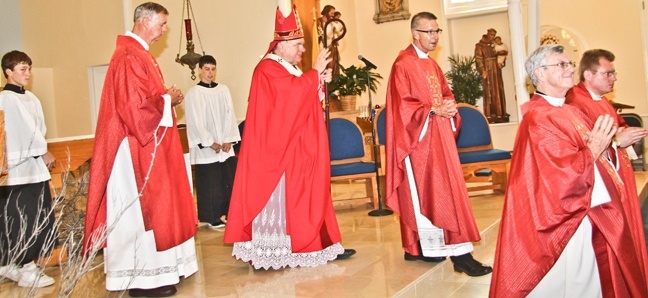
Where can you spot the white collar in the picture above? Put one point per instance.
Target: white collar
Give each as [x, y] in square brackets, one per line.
[289, 67]
[139, 39]
[420, 53]
[554, 101]
[594, 96]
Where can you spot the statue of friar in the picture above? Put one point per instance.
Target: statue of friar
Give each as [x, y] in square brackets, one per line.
[492, 83]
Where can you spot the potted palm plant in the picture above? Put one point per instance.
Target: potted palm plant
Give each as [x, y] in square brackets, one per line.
[351, 82]
[464, 79]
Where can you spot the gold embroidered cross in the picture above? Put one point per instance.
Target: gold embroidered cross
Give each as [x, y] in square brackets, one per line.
[435, 87]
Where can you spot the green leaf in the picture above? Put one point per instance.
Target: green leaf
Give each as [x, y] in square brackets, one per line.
[353, 81]
[464, 79]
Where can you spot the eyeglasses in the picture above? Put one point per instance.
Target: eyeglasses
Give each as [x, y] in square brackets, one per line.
[430, 32]
[562, 65]
[609, 74]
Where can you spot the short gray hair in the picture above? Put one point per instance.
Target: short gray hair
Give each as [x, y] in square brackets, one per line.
[149, 10]
[539, 58]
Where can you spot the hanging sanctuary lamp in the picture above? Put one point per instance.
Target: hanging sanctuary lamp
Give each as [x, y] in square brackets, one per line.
[191, 57]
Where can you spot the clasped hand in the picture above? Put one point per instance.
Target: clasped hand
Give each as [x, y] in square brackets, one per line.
[627, 136]
[447, 109]
[599, 138]
[225, 147]
[176, 95]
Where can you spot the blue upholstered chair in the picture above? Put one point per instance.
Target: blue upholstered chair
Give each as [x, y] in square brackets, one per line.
[479, 160]
[381, 136]
[634, 120]
[350, 159]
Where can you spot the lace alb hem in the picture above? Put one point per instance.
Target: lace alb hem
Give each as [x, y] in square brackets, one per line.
[277, 257]
[152, 271]
[270, 246]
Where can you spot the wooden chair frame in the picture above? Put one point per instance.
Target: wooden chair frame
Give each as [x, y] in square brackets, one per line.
[499, 168]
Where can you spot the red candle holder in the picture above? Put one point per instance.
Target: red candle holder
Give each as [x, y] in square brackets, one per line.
[188, 29]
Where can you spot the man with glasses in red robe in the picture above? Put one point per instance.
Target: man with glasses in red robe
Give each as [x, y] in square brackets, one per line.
[563, 231]
[597, 77]
[425, 183]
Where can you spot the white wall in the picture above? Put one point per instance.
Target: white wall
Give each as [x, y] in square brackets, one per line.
[381, 43]
[42, 85]
[237, 33]
[615, 26]
[11, 33]
[65, 37]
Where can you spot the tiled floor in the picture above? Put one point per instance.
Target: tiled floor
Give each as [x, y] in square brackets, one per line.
[377, 270]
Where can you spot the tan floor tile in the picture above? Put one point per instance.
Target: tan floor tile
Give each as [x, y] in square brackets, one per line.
[377, 270]
[471, 291]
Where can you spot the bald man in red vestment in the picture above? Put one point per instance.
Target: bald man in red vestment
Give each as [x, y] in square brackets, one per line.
[563, 232]
[425, 183]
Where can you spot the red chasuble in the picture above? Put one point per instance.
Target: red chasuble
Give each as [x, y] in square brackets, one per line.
[548, 194]
[415, 85]
[580, 97]
[284, 132]
[132, 107]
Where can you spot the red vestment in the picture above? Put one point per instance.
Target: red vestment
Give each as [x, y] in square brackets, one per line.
[132, 107]
[284, 132]
[581, 98]
[548, 194]
[415, 85]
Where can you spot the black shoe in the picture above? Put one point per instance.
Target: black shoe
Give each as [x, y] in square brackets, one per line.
[164, 291]
[216, 225]
[472, 267]
[346, 254]
[409, 257]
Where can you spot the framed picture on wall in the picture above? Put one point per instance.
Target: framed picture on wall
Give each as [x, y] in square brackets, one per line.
[462, 8]
[391, 10]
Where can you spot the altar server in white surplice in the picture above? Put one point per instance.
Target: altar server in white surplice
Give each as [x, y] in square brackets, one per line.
[212, 130]
[26, 217]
